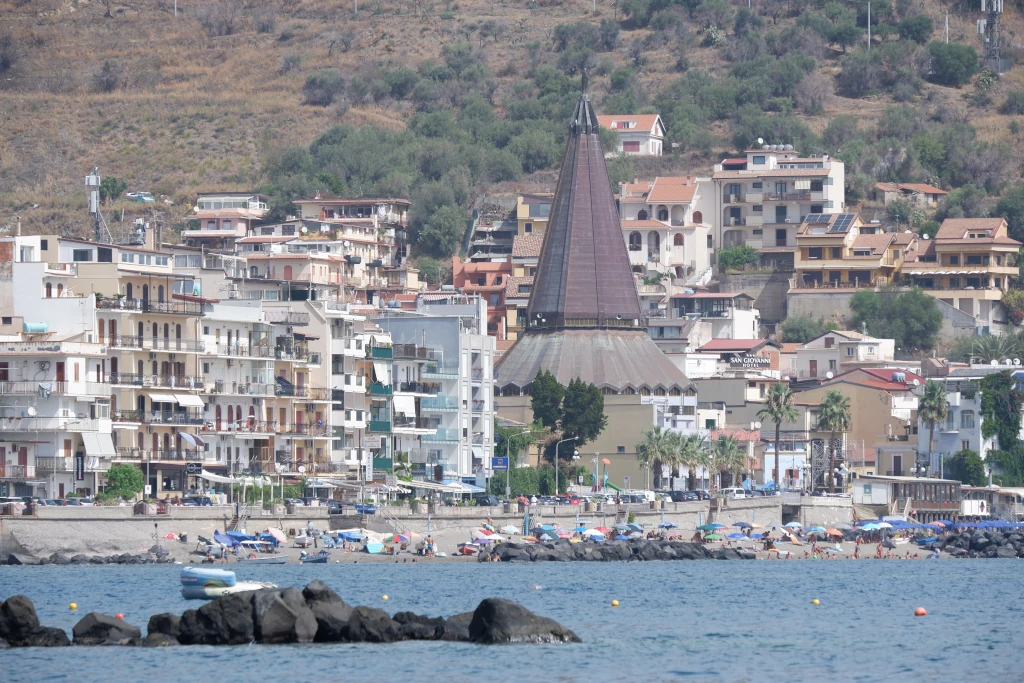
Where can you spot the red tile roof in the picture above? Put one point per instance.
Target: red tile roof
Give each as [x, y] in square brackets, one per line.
[673, 189]
[512, 286]
[526, 246]
[647, 223]
[876, 243]
[957, 228]
[644, 122]
[735, 344]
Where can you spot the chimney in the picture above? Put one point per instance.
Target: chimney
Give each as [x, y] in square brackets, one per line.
[18, 230]
[636, 179]
[150, 238]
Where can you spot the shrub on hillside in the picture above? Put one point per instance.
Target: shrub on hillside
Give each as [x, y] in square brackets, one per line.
[1014, 103]
[918, 29]
[322, 87]
[9, 51]
[220, 18]
[738, 258]
[952, 64]
[110, 76]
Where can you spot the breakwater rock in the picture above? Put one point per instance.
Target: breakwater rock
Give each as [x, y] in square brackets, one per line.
[612, 551]
[154, 555]
[978, 543]
[315, 614]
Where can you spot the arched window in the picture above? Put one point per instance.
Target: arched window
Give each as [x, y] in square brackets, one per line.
[141, 328]
[698, 217]
[287, 272]
[167, 331]
[49, 290]
[113, 331]
[662, 213]
[145, 292]
[653, 241]
[60, 289]
[634, 241]
[231, 415]
[678, 239]
[216, 418]
[642, 216]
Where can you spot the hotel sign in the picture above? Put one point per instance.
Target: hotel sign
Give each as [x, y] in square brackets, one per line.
[750, 362]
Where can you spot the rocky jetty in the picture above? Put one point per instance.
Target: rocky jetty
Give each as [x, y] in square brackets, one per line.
[154, 555]
[315, 614]
[979, 543]
[612, 551]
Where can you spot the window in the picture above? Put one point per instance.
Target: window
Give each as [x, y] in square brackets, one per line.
[757, 186]
[80, 255]
[735, 188]
[211, 225]
[44, 244]
[634, 241]
[662, 214]
[832, 364]
[105, 255]
[966, 419]
[677, 240]
[620, 449]
[527, 227]
[780, 188]
[533, 272]
[758, 159]
[817, 208]
[837, 252]
[6, 320]
[816, 186]
[266, 231]
[965, 445]
[849, 351]
[867, 489]
[954, 282]
[758, 231]
[814, 253]
[494, 299]
[287, 229]
[631, 146]
[524, 289]
[757, 208]
[161, 260]
[5, 375]
[949, 421]
[709, 424]
[954, 260]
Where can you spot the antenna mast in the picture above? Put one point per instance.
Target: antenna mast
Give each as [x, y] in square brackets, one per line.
[989, 28]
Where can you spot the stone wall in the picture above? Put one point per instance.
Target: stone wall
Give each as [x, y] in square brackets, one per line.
[769, 291]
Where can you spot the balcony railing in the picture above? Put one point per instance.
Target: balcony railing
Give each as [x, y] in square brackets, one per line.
[381, 352]
[127, 415]
[478, 405]
[8, 471]
[308, 429]
[124, 341]
[441, 370]
[414, 352]
[440, 403]
[62, 388]
[312, 392]
[443, 435]
[160, 455]
[245, 426]
[164, 381]
[240, 388]
[478, 373]
[175, 417]
[415, 423]
[378, 389]
[49, 463]
[431, 388]
[172, 344]
[48, 424]
[379, 426]
[150, 306]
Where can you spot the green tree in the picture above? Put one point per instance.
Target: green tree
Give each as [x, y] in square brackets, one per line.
[834, 417]
[801, 329]
[952, 63]
[693, 453]
[727, 455]
[513, 440]
[1000, 409]
[965, 467]
[124, 480]
[322, 87]
[738, 258]
[1014, 104]
[111, 188]
[932, 408]
[443, 231]
[910, 317]
[899, 210]
[657, 448]
[778, 408]
[582, 412]
[546, 399]
[1011, 207]
[918, 29]
[432, 271]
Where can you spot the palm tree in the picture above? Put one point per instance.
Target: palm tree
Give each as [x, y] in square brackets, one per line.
[932, 407]
[692, 453]
[654, 450]
[778, 408]
[727, 454]
[834, 416]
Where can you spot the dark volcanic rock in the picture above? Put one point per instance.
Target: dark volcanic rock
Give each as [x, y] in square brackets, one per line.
[3, 644]
[503, 621]
[46, 636]
[99, 629]
[165, 624]
[160, 640]
[456, 627]
[281, 616]
[228, 620]
[1006, 552]
[19, 626]
[371, 625]
[329, 610]
[418, 627]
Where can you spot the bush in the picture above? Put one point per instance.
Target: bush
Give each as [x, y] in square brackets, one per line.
[110, 76]
[802, 329]
[9, 51]
[290, 61]
[738, 258]
[952, 64]
[918, 29]
[321, 87]
[1014, 103]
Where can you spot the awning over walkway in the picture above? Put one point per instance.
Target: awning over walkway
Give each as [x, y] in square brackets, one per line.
[189, 401]
[434, 486]
[157, 397]
[98, 445]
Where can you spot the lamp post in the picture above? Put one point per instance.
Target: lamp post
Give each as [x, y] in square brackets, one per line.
[508, 467]
[647, 471]
[593, 484]
[575, 461]
[841, 472]
[920, 469]
[572, 438]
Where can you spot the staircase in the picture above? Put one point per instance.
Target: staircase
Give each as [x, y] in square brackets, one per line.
[385, 514]
[238, 522]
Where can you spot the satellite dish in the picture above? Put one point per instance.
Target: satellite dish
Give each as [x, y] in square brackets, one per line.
[1007, 361]
[302, 469]
[304, 229]
[995, 362]
[346, 243]
[756, 425]
[1016, 361]
[829, 375]
[924, 236]
[760, 141]
[916, 382]
[31, 411]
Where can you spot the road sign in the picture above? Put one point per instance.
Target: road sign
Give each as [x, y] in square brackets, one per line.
[149, 489]
[193, 468]
[499, 464]
[625, 480]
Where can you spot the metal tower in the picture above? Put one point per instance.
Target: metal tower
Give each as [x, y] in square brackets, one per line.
[989, 28]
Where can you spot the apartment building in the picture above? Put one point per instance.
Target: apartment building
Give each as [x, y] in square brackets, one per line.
[532, 213]
[525, 257]
[759, 199]
[489, 280]
[920, 195]
[838, 352]
[837, 251]
[219, 219]
[691, 319]
[639, 134]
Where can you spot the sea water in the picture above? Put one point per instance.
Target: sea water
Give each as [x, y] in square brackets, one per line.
[704, 620]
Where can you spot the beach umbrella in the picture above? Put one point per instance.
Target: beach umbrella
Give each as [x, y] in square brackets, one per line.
[603, 530]
[844, 527]
[717, 525]
[620, 537]
[834, 532]
[742, 525]
[870, 527]
[580, 529]
[510, 529]
[794, 525]
[755, 525]
[562, 534]
[815, 529]
[757, 535]
[636, 534]
[706, 527]
[884, 525]
[667, 525]
[712, 537]
[621, 527]
[396, 538]
[735, 535]
[633, 526]
[593, 533]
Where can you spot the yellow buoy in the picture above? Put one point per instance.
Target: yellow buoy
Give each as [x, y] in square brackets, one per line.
[73, 606]
[815, 601]
[615, 603]
[383, 597]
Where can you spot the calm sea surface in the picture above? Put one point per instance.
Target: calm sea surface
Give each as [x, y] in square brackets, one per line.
[728, 621]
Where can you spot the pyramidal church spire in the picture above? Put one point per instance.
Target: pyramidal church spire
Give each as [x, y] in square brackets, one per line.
[584, 318]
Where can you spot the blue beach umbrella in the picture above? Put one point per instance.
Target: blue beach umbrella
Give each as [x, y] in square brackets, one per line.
[736, 536]
[667, 525]
[742, 525]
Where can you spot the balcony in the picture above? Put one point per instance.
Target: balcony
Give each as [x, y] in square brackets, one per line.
[312, 392]
[442, 435]
[440, 404]
[61, 388]
[379, 426]
[414, 352]
[175, 417]
[308, 429]
[160, 455]
[245, 426]
[162, 381]
[58, 463]
[801, 196]
[478, 406]
[149, 306]
[440, 371]
[240, 389]
[123, 341]
[135, 416]
[381, 352]
[48, 424]
[427, 388]
[415, 424]
[172, 344]
[240, 350]
[477, 374]
[8, 471]
[378, 389]
[52, 347]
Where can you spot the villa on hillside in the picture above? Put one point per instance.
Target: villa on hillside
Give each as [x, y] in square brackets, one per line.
[639, 134]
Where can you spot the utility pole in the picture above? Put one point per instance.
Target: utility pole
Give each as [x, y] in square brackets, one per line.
[175, 9]
[947, 27]
[869, 25]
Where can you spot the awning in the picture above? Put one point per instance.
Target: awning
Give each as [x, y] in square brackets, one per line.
[478, 452]
[161, 398]
[217, 478]
[187, 438]
[189, 400]
[99, 445]
[380, 369]
[199, 440]
[404, 404]
[434, 486]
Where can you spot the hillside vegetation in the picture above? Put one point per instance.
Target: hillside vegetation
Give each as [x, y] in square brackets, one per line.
[440, 101]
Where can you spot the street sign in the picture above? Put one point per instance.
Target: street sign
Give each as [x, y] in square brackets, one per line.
[193, 468]
[499, 464]
[149, 489]
[625, 481]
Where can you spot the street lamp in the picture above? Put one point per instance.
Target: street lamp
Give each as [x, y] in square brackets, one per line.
[508, 465]
[572, 438]
[575, 461]
[593, 484]
[647, 470]
[842, 472]
[920, 469]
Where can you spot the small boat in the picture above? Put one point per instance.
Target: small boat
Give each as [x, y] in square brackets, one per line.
[469, 548]
[264, 559]
[260, 552]
[321, 557]
[199, 583]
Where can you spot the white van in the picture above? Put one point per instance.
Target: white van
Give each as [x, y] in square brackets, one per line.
[733, 492]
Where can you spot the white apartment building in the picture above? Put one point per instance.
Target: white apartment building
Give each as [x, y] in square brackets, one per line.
[760, 199]
[639, 134]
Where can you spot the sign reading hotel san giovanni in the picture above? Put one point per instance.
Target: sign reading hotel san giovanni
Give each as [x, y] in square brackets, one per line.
[750, 362]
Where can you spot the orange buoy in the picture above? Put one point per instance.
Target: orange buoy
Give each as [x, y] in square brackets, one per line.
[119, 615]
[920, 612]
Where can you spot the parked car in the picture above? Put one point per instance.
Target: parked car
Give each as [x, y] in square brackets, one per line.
[731, 492]
[486, 500]
[201, 501]
[364, 509]
[78, 501]
[142, 197]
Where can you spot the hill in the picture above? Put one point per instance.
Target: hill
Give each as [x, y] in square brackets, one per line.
[440, 101]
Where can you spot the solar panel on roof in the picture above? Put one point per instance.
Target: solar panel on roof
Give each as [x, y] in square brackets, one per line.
[843, 222]
[816, 218]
